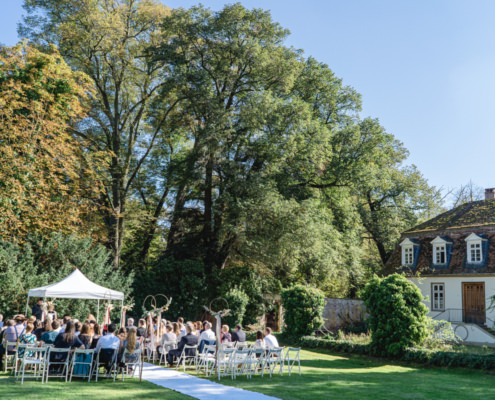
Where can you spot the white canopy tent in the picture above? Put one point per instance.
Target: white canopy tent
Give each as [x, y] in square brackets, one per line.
[77, 286]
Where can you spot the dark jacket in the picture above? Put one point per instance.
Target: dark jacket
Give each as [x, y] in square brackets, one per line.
[190, 340]
[238, 336]
[37, 311]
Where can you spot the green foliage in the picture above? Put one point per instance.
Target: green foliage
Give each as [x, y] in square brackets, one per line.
[183, 281]
[238, 300]
[303, 307]
[41, 261]
[254, 283]
[397, 315]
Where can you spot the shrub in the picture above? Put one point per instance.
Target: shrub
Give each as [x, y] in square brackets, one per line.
[303, 307]
[183, 281]
[238, 301]
[42, 261]
[397, 315]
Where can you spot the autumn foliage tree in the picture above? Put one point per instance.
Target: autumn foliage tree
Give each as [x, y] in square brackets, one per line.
[45, 180]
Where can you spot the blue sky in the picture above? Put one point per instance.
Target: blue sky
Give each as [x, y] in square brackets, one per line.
[425, 68]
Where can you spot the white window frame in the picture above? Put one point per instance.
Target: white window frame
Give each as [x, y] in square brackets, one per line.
[407, 258]
[476, 242]
[439, 246]
[437, 296]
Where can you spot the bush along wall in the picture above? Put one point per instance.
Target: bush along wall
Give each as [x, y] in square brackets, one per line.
[416, 355]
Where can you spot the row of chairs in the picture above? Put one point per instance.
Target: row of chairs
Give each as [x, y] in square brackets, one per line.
[241, 359]
[46, 361]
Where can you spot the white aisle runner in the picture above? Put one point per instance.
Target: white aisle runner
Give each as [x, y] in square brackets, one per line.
[198, 388]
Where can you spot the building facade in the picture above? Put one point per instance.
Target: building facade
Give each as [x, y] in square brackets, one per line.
[451, 258]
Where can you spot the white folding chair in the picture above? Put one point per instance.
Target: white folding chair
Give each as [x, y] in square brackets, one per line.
[186, 356]
[275, 360]
[130, 362]
[225, 362]
[58, 360]
[34, 357]
[241, 361]
[206, 358]
[292, 358]
[256, 362]
[82, 364]
[112, 361]
[164, 349]
[242, 345]
[9, 347]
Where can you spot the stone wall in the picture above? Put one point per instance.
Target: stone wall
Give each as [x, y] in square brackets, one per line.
[340, 312]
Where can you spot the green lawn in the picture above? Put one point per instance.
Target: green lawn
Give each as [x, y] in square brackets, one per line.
[106, 389]
[328, 376]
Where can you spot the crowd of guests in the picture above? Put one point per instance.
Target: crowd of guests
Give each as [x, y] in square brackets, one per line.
[69, 333]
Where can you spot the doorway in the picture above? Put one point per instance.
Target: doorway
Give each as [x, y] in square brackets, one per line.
[473, 302]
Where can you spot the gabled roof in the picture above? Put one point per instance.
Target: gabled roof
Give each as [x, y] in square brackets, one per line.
[469, 215]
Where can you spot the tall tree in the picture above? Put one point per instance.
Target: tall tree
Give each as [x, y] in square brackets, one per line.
[46, 179]
[108, 40]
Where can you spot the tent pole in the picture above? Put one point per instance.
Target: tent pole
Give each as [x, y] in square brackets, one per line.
[98, 312]
[27, 305]
[122, 313]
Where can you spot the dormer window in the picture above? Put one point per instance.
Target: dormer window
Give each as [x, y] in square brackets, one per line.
[474, 249]
[439, 251]
[408, 253]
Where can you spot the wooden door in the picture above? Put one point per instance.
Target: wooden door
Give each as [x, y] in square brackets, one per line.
[473, 302]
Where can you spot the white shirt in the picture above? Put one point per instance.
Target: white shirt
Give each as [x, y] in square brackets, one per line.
[109, 341]
[271, 341]
[207, 335]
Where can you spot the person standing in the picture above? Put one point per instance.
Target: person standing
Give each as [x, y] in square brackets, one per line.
[37, 309]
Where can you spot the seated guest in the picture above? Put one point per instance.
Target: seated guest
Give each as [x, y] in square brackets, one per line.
[59, 325]
[260, 341]
[78, 326]
[28, 337]
[68, 339]
[108, 344]
[226, 336]
[141, 330]
[176, 330]
[96, 335]
[85, 335]
[180, 321]
[8, 324]
[38, 329]
[122, 334]
[238, 335]
[168, 336]
[1, 321]
[270, 340]
[188, 339]
[64, 323]
[199, 327]
[51, 332]
[207, 334]
[91, 317]
[131, 344]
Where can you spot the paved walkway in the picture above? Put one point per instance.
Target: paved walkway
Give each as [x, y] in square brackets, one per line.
[198, 388]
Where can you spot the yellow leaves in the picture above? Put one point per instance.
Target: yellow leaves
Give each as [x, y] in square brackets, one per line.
[44, 179]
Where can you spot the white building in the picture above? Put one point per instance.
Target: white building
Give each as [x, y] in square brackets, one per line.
[451, 258]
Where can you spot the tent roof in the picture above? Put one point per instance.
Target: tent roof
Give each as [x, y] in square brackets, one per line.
[76, 286]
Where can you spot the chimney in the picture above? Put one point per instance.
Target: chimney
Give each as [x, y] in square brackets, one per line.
[490, 194]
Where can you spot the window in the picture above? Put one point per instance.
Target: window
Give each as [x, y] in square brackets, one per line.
[408, 256]
[474, 249]
[408, 252]
[440, 254]
[440, 251]
[437, 297]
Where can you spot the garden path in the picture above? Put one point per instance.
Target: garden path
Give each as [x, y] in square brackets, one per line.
[198, 388]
